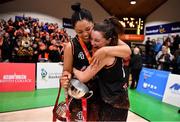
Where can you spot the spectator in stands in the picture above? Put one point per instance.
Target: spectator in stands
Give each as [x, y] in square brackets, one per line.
[43, 55]
[148, 45]
[164, 59]
[2, 31]
[45, 27]
[35, 47]
[157, 47]
[1, 42]
[149, 53]
[6, 48]
[167, 43]
[136, 66]
[176, 42]
[54, 53]
[176, 61]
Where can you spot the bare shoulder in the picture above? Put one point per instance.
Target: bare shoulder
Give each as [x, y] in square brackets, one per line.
[120, 42]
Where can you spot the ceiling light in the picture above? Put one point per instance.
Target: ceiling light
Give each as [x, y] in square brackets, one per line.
[132, 2]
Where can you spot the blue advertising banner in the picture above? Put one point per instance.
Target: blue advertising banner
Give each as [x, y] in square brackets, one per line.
[153, 82]
[163, 29]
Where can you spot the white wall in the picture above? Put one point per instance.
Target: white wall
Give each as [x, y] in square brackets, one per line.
[167, 13]
[49, 10]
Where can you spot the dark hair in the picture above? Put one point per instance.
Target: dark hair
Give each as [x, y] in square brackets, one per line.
[80, 14]
[110, 28]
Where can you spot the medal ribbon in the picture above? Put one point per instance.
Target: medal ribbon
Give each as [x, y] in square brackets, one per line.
[67, 110]
[89, 58]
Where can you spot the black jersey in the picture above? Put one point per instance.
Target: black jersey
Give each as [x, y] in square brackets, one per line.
[79, 61]
[79, 57]
[111, 84]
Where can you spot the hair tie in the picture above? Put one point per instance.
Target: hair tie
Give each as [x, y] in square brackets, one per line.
[80, 16]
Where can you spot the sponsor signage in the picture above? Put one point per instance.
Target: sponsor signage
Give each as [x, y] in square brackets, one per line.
[48, 75]
[17, 77]
[163, 29]
[133, 37]
[172, 91]
[152, 82]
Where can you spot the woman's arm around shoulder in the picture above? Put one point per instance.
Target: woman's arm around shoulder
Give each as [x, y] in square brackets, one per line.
[121, 50]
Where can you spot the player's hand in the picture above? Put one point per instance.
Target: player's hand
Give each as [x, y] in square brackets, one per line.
[65, 79]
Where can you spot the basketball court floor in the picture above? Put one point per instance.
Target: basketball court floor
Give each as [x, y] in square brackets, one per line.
[45, 115]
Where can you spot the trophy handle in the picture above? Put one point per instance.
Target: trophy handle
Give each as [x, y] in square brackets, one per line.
[91, 94]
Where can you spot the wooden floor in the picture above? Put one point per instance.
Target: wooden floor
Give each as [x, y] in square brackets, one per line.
[45, 115]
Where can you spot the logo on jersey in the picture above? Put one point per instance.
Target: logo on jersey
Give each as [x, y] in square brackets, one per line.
[81, 55]
[79, 116]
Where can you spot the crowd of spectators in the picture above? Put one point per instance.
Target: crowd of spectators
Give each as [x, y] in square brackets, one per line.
[163, 55]
[28, 40]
